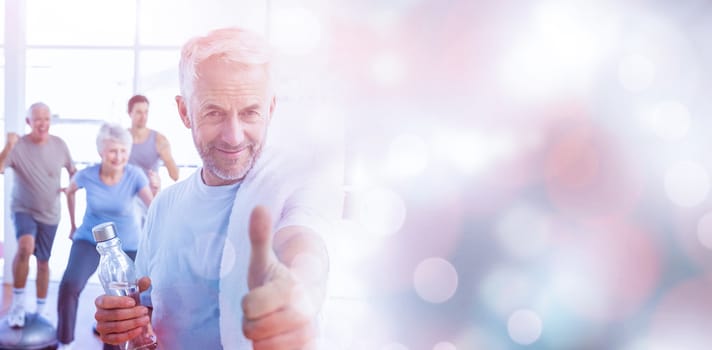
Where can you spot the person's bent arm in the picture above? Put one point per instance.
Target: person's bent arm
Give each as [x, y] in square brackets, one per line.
[70, 193]
[304, 252]
[71, 170]
[9, 145]
[146, 195]
[119, 319]
[164, 151]
[154, 182]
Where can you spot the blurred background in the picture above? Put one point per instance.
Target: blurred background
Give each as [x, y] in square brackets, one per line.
[518, 174]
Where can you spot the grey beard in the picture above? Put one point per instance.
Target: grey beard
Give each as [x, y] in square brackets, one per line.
[225, 176]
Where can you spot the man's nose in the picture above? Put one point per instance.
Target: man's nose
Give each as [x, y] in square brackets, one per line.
[233, 131]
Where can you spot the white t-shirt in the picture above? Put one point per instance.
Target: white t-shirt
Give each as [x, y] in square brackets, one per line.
[185, 233]
[199, 269]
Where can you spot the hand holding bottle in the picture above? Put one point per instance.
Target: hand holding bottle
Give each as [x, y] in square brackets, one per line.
[118, 277]
[120, 318]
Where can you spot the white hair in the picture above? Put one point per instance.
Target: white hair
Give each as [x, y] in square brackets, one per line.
[113, 132]
[34, 106]
[231, 44]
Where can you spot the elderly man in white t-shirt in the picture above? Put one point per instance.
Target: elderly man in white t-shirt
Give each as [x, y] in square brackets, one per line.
[219, 274]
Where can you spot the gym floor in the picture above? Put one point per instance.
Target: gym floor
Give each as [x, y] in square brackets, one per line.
[84, 336]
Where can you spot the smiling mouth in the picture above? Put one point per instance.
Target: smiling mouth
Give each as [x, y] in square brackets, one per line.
[231, 154]
[232, 151]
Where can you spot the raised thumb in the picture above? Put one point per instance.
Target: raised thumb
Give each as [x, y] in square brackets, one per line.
[261, 254]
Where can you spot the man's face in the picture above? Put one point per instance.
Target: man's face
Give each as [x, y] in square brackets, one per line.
[139, 115]
[39, 121]
[114, 154]
[228, 113]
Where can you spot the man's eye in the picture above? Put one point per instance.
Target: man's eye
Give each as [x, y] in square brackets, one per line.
[251, 115]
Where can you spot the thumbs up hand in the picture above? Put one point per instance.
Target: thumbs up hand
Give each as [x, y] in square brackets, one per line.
[282, 301]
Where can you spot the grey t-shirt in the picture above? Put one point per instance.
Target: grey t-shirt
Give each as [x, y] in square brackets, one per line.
[38, 168]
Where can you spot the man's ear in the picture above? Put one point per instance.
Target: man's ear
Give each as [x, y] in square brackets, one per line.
[183, 111]
[272, 106]
[27, 120]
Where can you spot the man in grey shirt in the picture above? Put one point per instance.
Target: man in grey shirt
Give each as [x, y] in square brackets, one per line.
[37, 160]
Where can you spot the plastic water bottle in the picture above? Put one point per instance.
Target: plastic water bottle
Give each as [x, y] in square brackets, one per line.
[118, 277]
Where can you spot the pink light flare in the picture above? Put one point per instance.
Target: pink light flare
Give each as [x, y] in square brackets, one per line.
[683, 318]
[616, 267]
[586, 173]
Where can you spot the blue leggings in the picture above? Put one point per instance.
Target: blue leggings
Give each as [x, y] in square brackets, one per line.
[83, 261]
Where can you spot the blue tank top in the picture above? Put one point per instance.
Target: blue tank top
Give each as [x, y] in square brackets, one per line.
[145, 155]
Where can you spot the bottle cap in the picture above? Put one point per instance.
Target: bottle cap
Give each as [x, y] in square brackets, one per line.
[104, 232]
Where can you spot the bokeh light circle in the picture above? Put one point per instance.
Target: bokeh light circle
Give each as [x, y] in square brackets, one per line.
[505, 289]
[381, 211]
[394, 346]
[636, 72]
[687, 183]
[683, 316]
[444, 346]
[407, 156]
[524, 326]
[388, 68]
[704, 230]
[435, 280]
[669, 120]
[524, 231]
